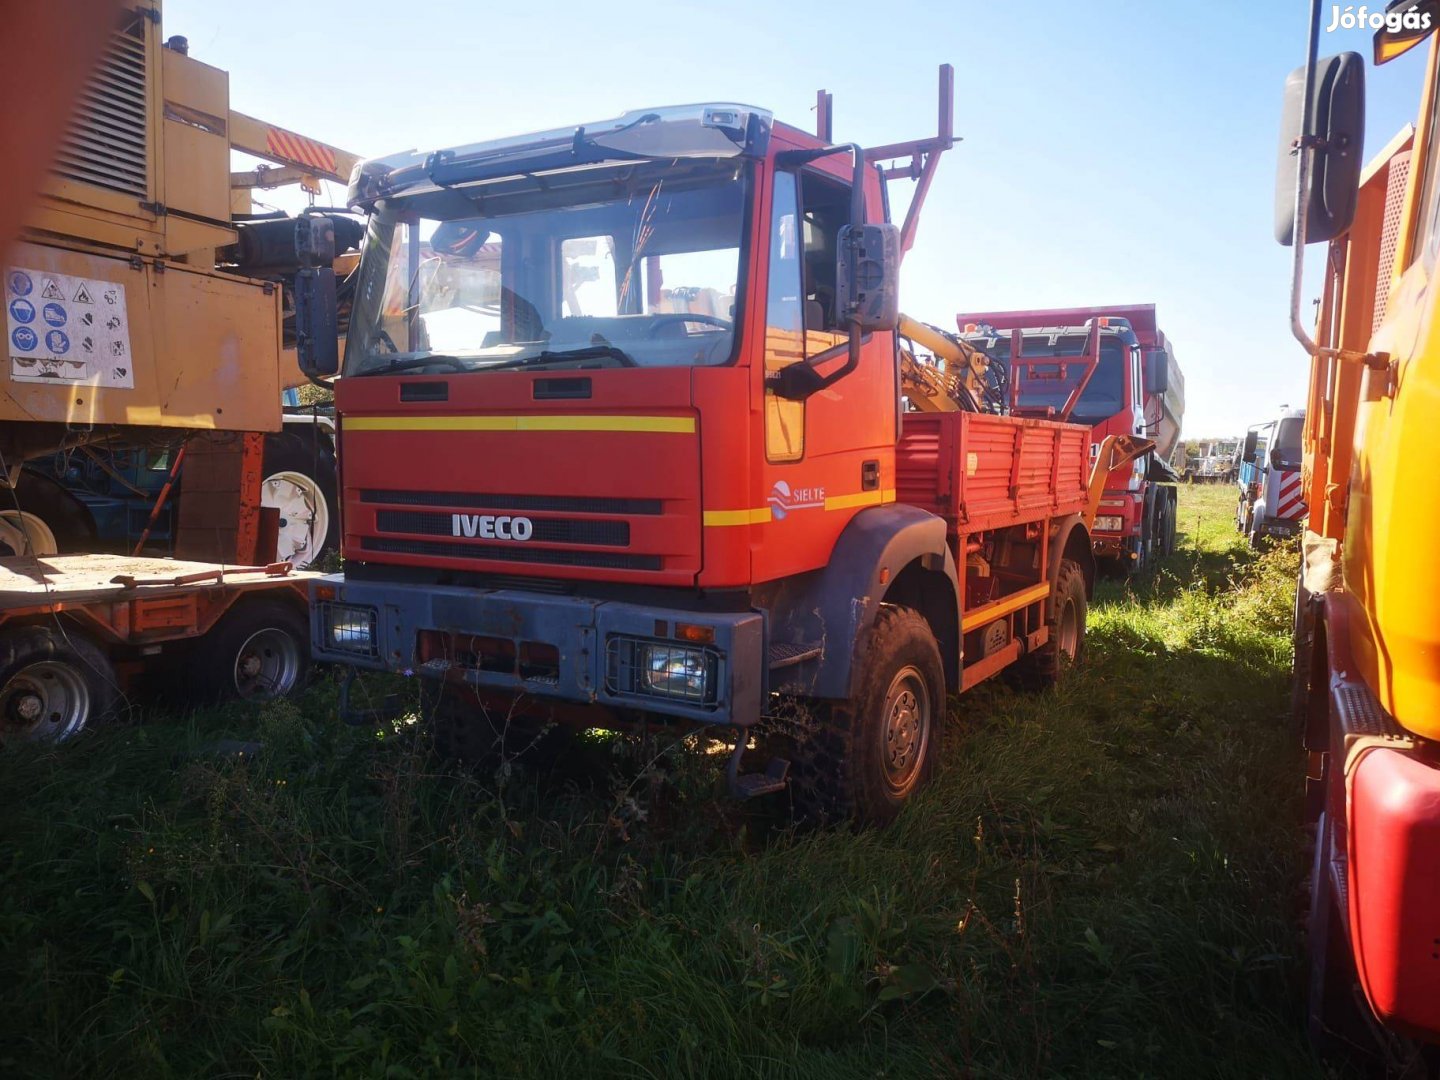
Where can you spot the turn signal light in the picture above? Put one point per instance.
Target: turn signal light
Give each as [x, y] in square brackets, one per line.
[701, 635]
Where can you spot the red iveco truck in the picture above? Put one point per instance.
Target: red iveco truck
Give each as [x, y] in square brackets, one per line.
[622, 442]
[1113, 369]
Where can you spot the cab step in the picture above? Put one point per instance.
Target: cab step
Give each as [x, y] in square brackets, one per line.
[785, 654]
[776, 777]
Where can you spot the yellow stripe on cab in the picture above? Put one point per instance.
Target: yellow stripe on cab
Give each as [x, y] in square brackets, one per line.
[668, 425]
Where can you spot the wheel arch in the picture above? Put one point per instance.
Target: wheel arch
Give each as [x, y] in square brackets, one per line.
[884, 554]
[1071, 540]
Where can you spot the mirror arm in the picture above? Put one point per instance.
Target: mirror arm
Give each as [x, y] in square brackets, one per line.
[1302, 185]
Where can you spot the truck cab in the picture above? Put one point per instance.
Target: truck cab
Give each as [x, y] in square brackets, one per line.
[1272, 497]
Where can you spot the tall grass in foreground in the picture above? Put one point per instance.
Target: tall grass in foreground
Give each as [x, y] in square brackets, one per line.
[1101, 882]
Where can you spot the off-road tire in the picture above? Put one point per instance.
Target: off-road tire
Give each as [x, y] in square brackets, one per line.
[68, 518]
[1046, 666]
[272, 635]
[310, 457]
[57, 652]
[838, 768]
[466, 731]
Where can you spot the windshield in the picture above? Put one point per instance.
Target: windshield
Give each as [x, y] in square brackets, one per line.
[1049, 385]
[1287, 453]
[613, 265]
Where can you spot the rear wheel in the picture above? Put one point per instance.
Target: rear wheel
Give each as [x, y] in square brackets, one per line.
[1047, 666]
[67, 521]
[52, 684]
[300, 484]
[864, 759]
[259, 650]
[23, 533]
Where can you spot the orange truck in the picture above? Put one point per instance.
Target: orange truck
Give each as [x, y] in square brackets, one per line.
[1367, 658]
[623, 441]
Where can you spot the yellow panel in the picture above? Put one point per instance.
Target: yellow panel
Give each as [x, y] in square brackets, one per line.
[204, 350]
[196, 150]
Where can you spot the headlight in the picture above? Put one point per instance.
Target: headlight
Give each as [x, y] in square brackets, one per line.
[661, 669]
[1109, 523]
[349, 628]
[675, 672]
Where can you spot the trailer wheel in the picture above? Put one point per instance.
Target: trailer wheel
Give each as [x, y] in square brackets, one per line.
[52, 684]
[1047, 665]
[864, 759]
[259, 650]
[300, 483]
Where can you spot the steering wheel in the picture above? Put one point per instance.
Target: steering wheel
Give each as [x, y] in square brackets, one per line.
[670, 318]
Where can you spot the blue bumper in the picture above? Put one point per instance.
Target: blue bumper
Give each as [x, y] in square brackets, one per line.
[594, 643]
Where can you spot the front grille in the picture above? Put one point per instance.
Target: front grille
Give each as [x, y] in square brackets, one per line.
[555, 504]
[106, 142]
[497, 553]
[546, 530]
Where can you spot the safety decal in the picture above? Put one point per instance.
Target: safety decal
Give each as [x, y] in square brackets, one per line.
[86, 330]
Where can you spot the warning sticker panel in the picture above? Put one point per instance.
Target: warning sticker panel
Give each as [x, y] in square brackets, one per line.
[67, 329]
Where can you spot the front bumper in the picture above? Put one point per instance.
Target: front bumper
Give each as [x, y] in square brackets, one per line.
[1286, 529]
[565, 648]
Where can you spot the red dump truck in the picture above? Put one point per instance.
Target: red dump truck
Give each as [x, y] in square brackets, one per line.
[1113, 369]
[655, 469]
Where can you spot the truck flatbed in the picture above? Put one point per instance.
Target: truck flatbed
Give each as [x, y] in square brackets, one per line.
[27, 582]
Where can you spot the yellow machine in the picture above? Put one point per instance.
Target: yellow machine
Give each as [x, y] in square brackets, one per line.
[931, 388]
[135, 298]
[1367, 670]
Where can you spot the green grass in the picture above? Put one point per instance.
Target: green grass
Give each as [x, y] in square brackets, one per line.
[1101, 882]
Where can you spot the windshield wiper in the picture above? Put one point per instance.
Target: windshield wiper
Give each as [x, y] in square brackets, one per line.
[588, 352]
[409, 363]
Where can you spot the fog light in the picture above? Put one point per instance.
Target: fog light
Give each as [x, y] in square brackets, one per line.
[674, 672]
[349, 628]
[663, 669]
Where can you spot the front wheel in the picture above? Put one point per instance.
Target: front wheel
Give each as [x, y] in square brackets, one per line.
[865, 758]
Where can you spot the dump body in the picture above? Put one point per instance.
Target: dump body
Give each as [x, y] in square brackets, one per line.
[1113, 369]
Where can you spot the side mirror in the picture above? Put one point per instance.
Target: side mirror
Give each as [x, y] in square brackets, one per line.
[867, 277]
[1157, 371]
[317, 334]
[1336, 131]
[1247, 452]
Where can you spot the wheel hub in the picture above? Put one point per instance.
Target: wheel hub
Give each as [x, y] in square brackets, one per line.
[902, 732]
[45, 701]
[906, 729]
[303, 512]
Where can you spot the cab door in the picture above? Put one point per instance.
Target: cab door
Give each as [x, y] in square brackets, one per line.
[831, 455]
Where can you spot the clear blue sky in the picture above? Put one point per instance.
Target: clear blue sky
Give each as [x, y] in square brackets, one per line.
[1114, 151]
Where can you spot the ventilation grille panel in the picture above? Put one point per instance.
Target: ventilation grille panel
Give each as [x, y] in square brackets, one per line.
[1390, 234]
[106, 143]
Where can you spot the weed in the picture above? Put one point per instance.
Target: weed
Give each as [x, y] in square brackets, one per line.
[1100, 882]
